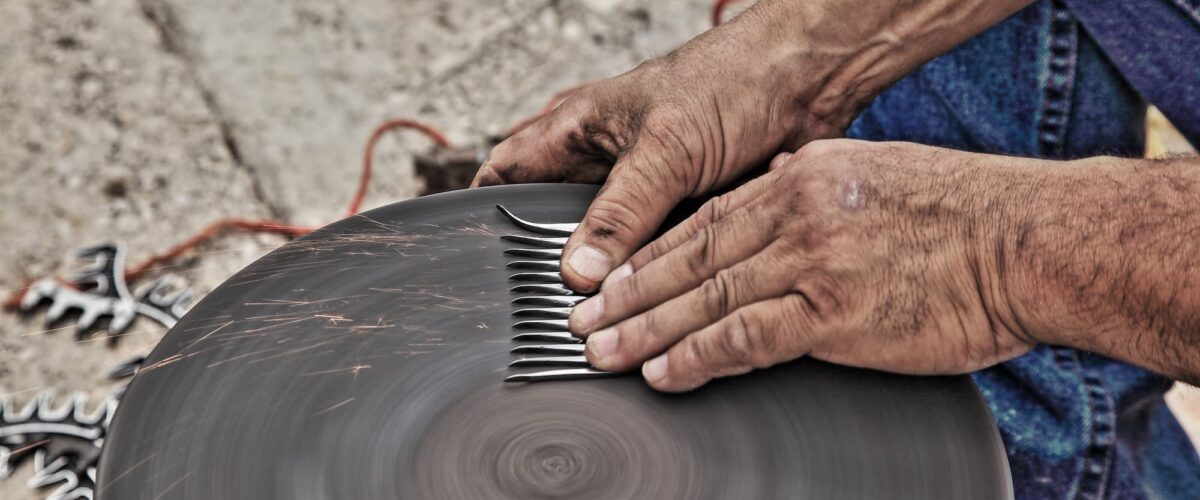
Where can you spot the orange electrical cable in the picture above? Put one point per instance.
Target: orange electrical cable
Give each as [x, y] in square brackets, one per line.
[364, 180]
[718, 9]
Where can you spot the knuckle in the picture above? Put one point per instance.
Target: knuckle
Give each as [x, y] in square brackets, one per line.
[719, 295]
[825, 147]
[746, 342]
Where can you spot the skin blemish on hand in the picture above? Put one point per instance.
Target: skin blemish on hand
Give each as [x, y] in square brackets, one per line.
[603, 232]
[851, 194]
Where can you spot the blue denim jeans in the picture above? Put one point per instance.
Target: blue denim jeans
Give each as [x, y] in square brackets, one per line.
[1044, 83]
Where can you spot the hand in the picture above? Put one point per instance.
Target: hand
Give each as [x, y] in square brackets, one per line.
[856, 253]
[674, 127]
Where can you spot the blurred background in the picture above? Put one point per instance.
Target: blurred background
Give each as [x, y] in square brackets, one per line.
[141, 122]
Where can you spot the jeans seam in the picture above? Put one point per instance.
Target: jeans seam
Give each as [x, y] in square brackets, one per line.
[1056, 98]
[1100, 427]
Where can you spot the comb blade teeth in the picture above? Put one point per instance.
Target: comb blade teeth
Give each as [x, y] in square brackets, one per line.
[553, 277]
[549, 301]
[553, 325]
[559, 337]
[561, 361]
[537, 274]
[535, 253]
[564, 349]
[535, 241]
[545, 312]
[535, 265]
[564, 374]
[563, 229]
[545, 289]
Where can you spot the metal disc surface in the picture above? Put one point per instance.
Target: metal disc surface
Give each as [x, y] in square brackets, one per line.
[367, 360]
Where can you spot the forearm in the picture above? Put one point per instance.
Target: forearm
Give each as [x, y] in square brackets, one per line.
[1103, 255]
[834, 56]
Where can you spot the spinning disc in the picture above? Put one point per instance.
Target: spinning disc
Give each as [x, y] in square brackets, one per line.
[367, 361]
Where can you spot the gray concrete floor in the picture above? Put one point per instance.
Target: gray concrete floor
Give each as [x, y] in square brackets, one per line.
[140, 121]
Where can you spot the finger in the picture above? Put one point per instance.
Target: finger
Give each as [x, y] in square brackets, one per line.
[731, 240]
[551, 149]
[634, 201]
[713, 210]
[756, 336]
[630, 342]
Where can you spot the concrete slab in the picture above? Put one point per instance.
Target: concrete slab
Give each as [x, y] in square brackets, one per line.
[302, 84]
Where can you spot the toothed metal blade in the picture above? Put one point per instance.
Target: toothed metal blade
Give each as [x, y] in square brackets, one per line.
[546, 312]
[535, 241]
[564, 229]
[546, 289]
[553, 325]
[549, 301]
[564, 374]
[535, 265]
[535, 253]
[565, 349]
[551, 361]
[537, 277]
[561, 337]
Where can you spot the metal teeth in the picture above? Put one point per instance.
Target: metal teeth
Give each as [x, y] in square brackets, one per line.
[548, 301]
[560, 337]
[544, 312]
[552, 302]
[564, 349]
[537, 277]
[551, 361]
[535, 265]
[547, 289]
[535, 253]
[535, 241]
[567, 374]
[549, 229]
[549, 325]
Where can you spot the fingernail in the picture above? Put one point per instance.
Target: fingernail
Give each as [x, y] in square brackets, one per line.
[655, 369]
[603, 343]
[587, 313]
[590, 263]
[617, 275]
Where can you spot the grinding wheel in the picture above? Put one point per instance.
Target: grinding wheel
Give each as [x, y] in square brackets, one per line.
[367, 360]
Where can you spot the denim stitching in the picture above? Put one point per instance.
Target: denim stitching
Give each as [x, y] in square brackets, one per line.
[1056, 102]
[1100, 427]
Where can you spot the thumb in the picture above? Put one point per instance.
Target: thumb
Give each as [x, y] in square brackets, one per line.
[640, 192]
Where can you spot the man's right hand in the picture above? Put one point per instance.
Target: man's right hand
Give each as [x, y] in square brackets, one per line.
[781, 74]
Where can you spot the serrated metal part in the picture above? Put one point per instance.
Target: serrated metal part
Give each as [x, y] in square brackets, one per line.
[535, 265]
[544, 312]
[99, 291]
[551, 361]
[543, 315]
[564, 374]
[63, 439]
[565, 349]
[545, 289]
[535, 253]
[564, 229]
[549, 300]
[535, 241]
[562, 337]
